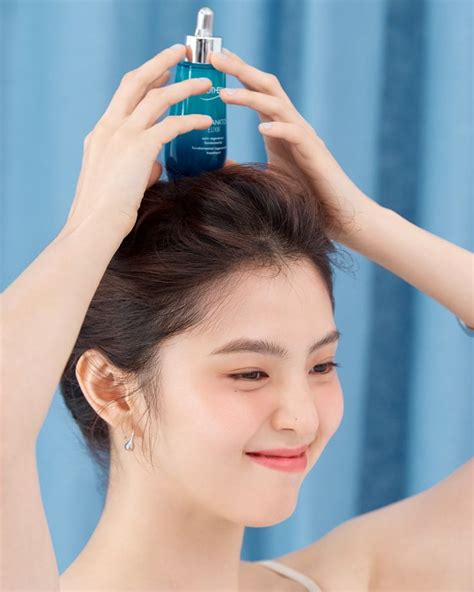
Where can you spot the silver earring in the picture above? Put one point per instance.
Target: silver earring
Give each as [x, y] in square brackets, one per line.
[129, 445]
[468, 330]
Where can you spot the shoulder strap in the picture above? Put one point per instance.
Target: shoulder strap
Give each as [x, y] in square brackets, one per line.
[291, 573]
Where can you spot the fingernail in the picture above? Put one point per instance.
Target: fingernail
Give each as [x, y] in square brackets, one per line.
[221, 55]
[177, 46]
[267, 125]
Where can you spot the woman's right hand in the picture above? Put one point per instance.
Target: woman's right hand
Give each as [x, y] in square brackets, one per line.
[119, 159]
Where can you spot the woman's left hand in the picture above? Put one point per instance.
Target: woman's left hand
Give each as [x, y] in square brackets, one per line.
[291, 143]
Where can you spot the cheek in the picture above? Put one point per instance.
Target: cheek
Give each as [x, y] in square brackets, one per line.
[241, 413]
[211, 415]
[230, 416]
[215, 418]
[331, 407]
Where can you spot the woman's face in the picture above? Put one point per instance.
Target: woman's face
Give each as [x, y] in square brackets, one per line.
[210, 419]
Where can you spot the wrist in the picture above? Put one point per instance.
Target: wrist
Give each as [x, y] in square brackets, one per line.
[112, 226]
[362, 222]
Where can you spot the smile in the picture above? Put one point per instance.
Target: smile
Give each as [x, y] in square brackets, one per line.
[289, 464]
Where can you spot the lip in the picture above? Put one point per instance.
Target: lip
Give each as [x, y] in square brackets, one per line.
[289, 464]
[281, 452]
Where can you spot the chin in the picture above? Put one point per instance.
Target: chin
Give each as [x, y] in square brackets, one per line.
[267, 509]
[270, 519]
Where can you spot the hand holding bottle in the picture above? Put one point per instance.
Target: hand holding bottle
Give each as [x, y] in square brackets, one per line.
[119, 159]
[292, 144]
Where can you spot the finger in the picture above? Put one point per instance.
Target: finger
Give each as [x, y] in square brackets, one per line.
[134, 84]
[295, 134]
[273, 107]
[290, 131]
[161, 81]
[155, 174]
[158, 100]
[251, 77]
[231, 53]
[229, 162]
[174, 125]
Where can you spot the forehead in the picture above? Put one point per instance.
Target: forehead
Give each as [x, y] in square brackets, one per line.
[257, 302]
[298, 284]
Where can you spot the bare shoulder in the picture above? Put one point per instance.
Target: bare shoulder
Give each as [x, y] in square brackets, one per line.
[341, 559]
[425, 541]
[421, 542]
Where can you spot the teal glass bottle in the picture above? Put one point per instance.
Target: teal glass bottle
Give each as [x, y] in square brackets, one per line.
[202, 150]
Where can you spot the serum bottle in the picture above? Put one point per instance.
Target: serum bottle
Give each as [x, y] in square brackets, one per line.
[204, 150]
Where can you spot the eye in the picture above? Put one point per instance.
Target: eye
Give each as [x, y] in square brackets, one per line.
[327, 368]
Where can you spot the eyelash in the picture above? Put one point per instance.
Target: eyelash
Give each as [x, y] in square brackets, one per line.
[239, 376]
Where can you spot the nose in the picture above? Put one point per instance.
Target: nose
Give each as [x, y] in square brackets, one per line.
[297, 409]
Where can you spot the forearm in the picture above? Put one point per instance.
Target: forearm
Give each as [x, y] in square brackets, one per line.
[432, 264]
[42, 313]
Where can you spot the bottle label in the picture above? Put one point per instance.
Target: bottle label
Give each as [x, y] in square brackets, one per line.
[199, 149]
[213, 140]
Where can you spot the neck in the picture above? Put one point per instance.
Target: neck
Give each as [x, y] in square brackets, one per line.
[154, 537]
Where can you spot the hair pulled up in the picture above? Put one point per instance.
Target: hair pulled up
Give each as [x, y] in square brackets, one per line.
[169, 272]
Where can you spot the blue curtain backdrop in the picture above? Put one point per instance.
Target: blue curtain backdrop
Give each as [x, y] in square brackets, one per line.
[388, 86]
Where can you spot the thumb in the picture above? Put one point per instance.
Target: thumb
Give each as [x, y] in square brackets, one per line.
[229, 162]
[155, 174]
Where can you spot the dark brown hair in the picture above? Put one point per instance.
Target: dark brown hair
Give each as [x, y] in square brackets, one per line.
[171, 271]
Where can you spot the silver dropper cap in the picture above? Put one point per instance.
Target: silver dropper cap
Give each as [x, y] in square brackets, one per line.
[202, 42]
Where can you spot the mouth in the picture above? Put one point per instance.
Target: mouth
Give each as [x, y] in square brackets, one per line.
[288, 464]
[275, 456]
[280, 452]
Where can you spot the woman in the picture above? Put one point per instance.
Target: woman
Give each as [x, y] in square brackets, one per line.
[191, 325]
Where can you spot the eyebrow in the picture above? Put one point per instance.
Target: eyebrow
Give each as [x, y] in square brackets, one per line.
[262, 346]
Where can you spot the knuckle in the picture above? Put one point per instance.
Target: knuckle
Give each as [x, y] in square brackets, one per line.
[125, 133]
[87, 140]
[102, 126]
[180, 122]
[154, 93]
[127, 77]
[132, 77]
[167, 99]
[100, 131]
[272, 80]
[279, 104]
[320, 140]
[176, 121]
[138, 76]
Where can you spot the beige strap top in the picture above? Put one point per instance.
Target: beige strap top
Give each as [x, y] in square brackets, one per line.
[292, 574]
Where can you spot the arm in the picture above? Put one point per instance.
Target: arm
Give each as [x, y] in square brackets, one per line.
[426, 541]
[44, 308]
[432, 264]
[435, 266]
[42, 313]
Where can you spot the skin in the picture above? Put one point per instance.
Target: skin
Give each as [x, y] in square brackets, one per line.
[192, 508]
[119, 162]
[220, 503]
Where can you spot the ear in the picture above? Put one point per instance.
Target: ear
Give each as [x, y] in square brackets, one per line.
[101, 384]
